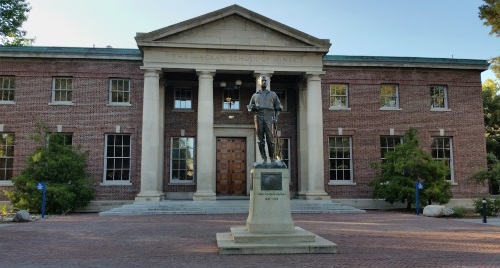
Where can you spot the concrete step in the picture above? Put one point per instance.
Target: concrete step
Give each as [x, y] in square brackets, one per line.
[223, 207]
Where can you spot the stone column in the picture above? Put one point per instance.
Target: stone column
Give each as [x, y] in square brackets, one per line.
[315, 160]
[302, 140]
[151, 156]
[205, 144]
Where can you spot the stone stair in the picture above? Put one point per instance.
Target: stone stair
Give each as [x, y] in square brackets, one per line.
[222, 207]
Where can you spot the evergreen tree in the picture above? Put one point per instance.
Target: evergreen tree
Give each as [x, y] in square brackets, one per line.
[396, 177]
[62, 167]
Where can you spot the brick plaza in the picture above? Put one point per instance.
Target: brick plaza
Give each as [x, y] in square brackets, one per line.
[374, 239]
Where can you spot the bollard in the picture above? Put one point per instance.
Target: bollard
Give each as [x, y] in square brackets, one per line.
[484, 210]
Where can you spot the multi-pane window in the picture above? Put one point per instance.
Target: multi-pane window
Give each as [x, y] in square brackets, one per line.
[183, 98]
[68, 138]
[117, 163]
[388, 144]
[62, 90]
[340, 158]
[339, 96]
[283, 99]
[231, 99]
[389, 96]
[442, 150]
[284, 146]
[6, 156]
[119, 91]
[7, 88]
[439, 97]
[182, 159]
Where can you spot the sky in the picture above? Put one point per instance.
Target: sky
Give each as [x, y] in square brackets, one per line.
[407, 28]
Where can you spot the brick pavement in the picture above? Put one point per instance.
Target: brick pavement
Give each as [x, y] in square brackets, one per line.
[374, 239]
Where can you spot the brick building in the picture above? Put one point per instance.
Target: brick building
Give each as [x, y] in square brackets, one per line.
[169, 120]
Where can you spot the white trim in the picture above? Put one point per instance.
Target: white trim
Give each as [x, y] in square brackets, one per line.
[6, 183]
[113, 182]
[348, 183]
[7, 102]
[110, 92]
[182, 182]
[53, 90]
[351, 163]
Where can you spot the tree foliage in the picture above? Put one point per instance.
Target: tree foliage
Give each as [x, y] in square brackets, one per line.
[61, 167]
[490, 13]
[396, 177]
[491, 106]
[13, 13]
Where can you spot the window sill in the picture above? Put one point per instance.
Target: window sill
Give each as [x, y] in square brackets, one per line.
[390, 109]
[182, 183]
[349, 183]
[61, 103]
[337, 108]
[452, 183]
[232, 111]
[118, 104]
[6, 183]
[440, 110]
[7, 102]
[115, 183]
[183, 110]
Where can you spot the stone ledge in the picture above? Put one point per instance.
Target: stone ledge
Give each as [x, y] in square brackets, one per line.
[227, 246]
[241, 235]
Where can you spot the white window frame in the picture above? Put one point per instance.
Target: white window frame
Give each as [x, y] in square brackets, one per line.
[183, 100]
[7, 157]
[350, 159]
[387, 149]
[65, 90]
[231, 104]
[434, 98]
[174, 157]
[391, 99]
[107, 181]
[125, 91]
[7, 87]
[436, 155]
[336, 100]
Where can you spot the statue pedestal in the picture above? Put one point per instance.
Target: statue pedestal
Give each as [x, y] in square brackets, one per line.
[269, 227]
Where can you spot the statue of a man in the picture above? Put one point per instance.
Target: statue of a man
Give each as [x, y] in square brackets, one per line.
[266, 105]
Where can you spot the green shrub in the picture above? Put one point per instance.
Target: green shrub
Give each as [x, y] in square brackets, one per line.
[492, 206]
[62, 168]
[459, 212]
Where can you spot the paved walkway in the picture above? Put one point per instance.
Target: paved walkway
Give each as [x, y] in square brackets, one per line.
[374, 239]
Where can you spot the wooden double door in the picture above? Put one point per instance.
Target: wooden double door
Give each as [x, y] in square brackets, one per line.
[231, 166]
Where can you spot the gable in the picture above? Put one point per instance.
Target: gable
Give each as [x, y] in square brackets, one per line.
[233, 27]
[233, 30]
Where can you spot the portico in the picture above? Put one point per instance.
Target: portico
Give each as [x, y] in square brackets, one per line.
[230, 42]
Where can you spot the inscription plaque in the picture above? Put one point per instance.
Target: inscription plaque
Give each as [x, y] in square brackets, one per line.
[271, 181]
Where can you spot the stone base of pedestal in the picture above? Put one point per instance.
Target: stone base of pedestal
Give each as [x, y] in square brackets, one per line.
[269, 228]
[240, 241]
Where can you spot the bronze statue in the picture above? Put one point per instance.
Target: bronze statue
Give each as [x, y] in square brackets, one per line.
[266, 105]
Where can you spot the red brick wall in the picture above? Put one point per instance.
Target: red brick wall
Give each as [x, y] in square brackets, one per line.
[89, 118]
[365, 122]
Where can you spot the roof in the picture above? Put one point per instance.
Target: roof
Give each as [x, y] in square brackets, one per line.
[408, 62]
[70, 53]
[328, 60]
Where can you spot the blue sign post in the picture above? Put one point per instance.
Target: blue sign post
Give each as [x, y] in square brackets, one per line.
[41, 186]
[418, 186]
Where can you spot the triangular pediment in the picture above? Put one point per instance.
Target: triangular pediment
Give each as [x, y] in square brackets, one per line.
[233, 27]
